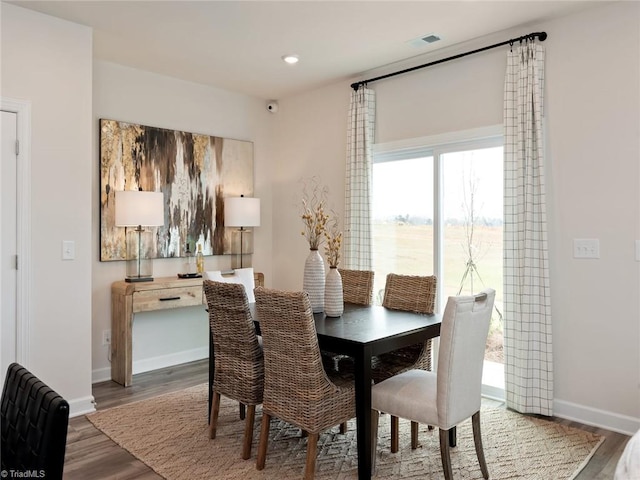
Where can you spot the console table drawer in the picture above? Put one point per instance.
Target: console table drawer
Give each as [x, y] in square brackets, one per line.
[149, 300]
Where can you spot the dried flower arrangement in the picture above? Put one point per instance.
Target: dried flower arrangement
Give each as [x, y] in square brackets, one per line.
[334, 241]
[313, 214]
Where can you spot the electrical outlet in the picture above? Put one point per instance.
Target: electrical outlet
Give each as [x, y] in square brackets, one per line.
[106, 337]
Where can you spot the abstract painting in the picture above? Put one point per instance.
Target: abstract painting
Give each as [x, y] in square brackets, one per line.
[194, 172]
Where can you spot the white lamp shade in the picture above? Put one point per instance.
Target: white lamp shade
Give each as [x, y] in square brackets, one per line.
[134, 207]
[241, 212]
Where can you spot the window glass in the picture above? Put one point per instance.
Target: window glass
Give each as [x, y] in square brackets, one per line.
[440, 213]
[402, 219]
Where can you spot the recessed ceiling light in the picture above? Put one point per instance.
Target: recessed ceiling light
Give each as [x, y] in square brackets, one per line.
[290, 59]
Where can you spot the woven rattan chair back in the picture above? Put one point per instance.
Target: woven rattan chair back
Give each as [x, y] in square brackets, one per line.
[239, 363]
[296, 388]
[357, 286]
[412, 293]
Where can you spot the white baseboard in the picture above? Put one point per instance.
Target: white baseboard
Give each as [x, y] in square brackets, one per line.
[82, 406]
[101, 375]
[596, 418]
[148, 364]
[186, 356]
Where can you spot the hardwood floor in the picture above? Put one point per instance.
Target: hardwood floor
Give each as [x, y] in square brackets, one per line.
[91, 455]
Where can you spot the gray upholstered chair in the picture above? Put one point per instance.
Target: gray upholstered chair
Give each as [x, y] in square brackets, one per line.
[451, 395]
[297, 389]
[239, 364]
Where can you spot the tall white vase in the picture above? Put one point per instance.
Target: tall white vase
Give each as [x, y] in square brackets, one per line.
[333, 298]
[313, 282]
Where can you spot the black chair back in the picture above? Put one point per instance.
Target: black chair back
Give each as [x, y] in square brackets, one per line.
[34, 421]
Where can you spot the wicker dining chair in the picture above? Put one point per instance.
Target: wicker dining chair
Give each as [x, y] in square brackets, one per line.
[239, 363]
[414, 293]
[248, 278]
[296, 388]
[357, 286]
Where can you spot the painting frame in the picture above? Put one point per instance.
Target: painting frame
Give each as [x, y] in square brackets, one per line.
[195, 173]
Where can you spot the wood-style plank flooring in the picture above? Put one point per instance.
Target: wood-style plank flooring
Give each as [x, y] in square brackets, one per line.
[91, 455]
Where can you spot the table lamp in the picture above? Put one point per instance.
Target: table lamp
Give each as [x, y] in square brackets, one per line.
[242, 212]
[135, 208]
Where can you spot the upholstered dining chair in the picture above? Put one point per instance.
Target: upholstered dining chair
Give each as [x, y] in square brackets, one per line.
[296, 388]
[452, 394]
[239, 363]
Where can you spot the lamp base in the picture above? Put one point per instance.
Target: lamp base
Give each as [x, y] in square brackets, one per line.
[138, 279]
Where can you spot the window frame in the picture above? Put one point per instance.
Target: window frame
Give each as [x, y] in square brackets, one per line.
[435, 146]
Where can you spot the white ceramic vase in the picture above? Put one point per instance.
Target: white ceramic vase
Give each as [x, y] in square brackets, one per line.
[333, 299]
[314, 278]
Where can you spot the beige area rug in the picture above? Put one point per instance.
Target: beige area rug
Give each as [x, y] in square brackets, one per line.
[169, 434]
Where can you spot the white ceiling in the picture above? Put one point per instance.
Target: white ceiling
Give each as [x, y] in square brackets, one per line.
[238, 45]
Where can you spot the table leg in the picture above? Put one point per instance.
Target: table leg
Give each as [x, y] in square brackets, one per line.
[363, 412]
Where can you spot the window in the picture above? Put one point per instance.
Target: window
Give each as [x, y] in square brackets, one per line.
[437, 209]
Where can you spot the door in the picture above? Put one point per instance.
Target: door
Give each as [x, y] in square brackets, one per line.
[8, 241]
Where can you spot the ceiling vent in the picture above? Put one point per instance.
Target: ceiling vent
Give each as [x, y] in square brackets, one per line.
[424, 40]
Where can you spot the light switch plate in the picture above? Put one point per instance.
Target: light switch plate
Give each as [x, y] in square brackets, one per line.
[68, 250]
[586, 248]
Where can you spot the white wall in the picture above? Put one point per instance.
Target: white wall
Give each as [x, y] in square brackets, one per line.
[593, 125]
[122, 93]
[48, 63]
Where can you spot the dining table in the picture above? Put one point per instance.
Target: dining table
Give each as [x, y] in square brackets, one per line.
[362, 332]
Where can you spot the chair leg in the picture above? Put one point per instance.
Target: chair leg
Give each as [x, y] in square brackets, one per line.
[213, 417]
[375, 418]
[343, 428]
[312, 453]
[248, 432]
[264, 440]
[242, 411]
[395, 433]
[444, 454]
[414, 435]
[477, 439]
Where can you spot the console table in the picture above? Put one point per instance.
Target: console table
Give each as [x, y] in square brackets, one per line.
[128, 298]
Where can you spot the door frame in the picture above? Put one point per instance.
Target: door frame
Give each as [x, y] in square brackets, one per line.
[23, 226]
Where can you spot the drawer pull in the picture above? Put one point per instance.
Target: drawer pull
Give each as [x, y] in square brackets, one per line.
[166, 299]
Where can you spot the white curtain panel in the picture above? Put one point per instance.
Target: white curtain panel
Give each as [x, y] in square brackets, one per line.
[358, 242]
[527, 318]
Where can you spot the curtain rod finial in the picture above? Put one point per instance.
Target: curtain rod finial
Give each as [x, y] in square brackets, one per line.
[355, 86]
[542, 36]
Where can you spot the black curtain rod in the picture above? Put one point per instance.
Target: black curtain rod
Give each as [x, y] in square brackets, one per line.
[542, 36]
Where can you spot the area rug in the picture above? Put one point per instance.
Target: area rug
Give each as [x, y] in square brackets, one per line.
[169, 434]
